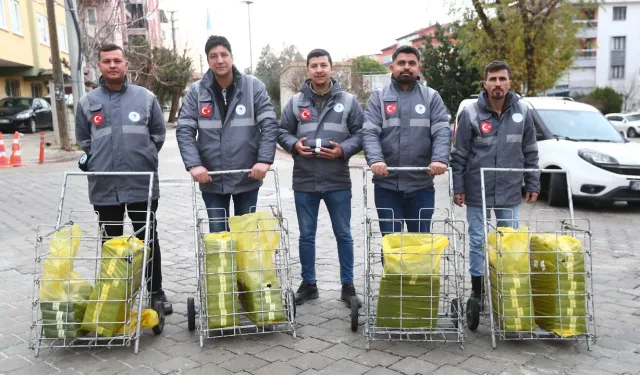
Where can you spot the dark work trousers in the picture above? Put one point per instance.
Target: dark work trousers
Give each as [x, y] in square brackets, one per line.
[112, 215]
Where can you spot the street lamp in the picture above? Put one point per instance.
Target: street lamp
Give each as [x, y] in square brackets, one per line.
[249, 2]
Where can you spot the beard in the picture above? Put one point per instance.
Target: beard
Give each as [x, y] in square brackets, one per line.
[405, 78]
[497, 95]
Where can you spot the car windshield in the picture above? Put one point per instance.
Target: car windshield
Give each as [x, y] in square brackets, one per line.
[635, 117]
[15, 103]
[580, 125]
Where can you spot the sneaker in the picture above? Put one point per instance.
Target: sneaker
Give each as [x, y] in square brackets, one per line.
[159, 296]
[348, 292]
[305, 292]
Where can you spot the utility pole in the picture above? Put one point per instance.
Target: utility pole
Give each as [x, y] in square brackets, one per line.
[173, 32]
[249, 2]
[57, 78]
[75, 54]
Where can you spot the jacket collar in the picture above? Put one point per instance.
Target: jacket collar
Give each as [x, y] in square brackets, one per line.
[209, 77]
[102, 83]
[396, 84]
[309, 93]
[483, 100]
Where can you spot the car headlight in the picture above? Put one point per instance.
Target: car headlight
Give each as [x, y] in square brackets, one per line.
[24, 116]
[594, 157]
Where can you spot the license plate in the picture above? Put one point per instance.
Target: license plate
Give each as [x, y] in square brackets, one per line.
[3, 121]
[634, 185]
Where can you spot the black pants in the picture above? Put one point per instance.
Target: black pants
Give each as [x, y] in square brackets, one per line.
[111, 216]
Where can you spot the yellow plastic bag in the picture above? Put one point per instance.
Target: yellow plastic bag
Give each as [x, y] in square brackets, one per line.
[558, 283]
[510, 283]
[257, 237]
[220, 287]
[149, 320]
[63, 293]
[410, 287]
[120, 277]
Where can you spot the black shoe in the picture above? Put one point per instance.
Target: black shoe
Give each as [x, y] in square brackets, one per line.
[159, 296]
[348, 292]
[477, 290]
[305, 292]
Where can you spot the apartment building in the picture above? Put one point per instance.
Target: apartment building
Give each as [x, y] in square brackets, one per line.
[25, 67]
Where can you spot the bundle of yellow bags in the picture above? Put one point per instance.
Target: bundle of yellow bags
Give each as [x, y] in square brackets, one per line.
[257, 237]
[558, 284]
[410, 286]
[120, 277]
[509, 276]
[63, 293]
[220, 285]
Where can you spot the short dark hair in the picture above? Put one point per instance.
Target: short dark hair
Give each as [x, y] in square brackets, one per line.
[108, 47]
[217, 40]
[405, 49]
[318, 52]
[496, 66]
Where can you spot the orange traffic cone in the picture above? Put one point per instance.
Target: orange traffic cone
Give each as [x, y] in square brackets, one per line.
[16, 159]
[4, 163]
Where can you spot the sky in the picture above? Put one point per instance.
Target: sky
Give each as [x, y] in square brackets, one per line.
[304, 23]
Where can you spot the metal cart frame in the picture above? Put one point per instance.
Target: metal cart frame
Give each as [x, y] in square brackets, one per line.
[449, 322]
[197, 309]
[44, 235]
[563, 226]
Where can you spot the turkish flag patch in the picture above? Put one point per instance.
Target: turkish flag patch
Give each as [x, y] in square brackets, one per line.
[205, 110]
[97, 119]
[305, 114]
[390, 108]
[486, 127]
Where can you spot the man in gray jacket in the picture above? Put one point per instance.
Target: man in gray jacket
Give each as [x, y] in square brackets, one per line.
[227, 122]
[495, 132]
[320, 126]
[406, 125]
[120, 126]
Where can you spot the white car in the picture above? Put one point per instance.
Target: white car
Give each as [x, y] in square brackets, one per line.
[602, 164]
[627, 123]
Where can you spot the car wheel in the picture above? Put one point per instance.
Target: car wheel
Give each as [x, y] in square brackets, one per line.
[32, 126]
[557, 195]
[632, 133]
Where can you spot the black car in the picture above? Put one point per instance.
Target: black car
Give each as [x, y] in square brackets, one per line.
[25, 114]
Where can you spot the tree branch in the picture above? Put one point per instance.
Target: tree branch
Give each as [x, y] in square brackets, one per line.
[483, 18]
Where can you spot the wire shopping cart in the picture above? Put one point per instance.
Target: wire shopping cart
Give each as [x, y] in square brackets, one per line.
[540, 283]
[89, 287]
[243, 275]
[414, 291]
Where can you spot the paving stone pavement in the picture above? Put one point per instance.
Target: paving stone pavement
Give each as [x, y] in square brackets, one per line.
[324, 343]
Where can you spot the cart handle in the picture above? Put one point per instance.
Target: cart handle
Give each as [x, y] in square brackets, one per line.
[234, 171]
[402, 169]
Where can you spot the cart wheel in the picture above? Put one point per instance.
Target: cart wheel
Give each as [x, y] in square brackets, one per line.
[454, 312]
[191, 313]
[159, 307]
[354, 314]
[473, 314]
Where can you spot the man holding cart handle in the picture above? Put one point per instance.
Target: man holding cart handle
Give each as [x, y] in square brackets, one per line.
[495, 132]
[320, 126]
[406, 125]
[227, 122]
[121, 128]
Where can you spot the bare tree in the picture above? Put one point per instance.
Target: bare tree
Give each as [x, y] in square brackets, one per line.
[629, 90]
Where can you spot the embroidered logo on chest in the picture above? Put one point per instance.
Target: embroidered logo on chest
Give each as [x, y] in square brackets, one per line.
[305, 114]
[390, 108]
[241, 109]
[134, 116]
[517, 117]
[205, 110]
[420, 109]
[339, 107]
[486, 127]
[97, 119]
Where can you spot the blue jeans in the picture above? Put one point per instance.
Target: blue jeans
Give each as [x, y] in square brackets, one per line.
[339, 206]
[218, 207]
[416, 209]
[505, 217]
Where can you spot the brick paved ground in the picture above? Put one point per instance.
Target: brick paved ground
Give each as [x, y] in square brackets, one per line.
[325, 345]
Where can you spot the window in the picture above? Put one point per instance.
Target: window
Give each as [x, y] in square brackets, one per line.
[36, 90]
[619, 13]
[12, 88]
[618, 57]
[3, 18]
[16, 24]
[579, 125]
[62, 39]
[43, 29]
[45, 104]
[92, 16]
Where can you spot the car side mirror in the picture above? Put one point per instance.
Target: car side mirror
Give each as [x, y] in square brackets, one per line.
[624, 121]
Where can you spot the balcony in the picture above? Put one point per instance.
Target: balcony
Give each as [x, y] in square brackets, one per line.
[588, 29]
[585, 58]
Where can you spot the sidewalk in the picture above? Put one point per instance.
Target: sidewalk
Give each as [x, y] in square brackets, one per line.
[30, 149]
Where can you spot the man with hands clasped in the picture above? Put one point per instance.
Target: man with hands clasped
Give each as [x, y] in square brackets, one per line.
[320, 126]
